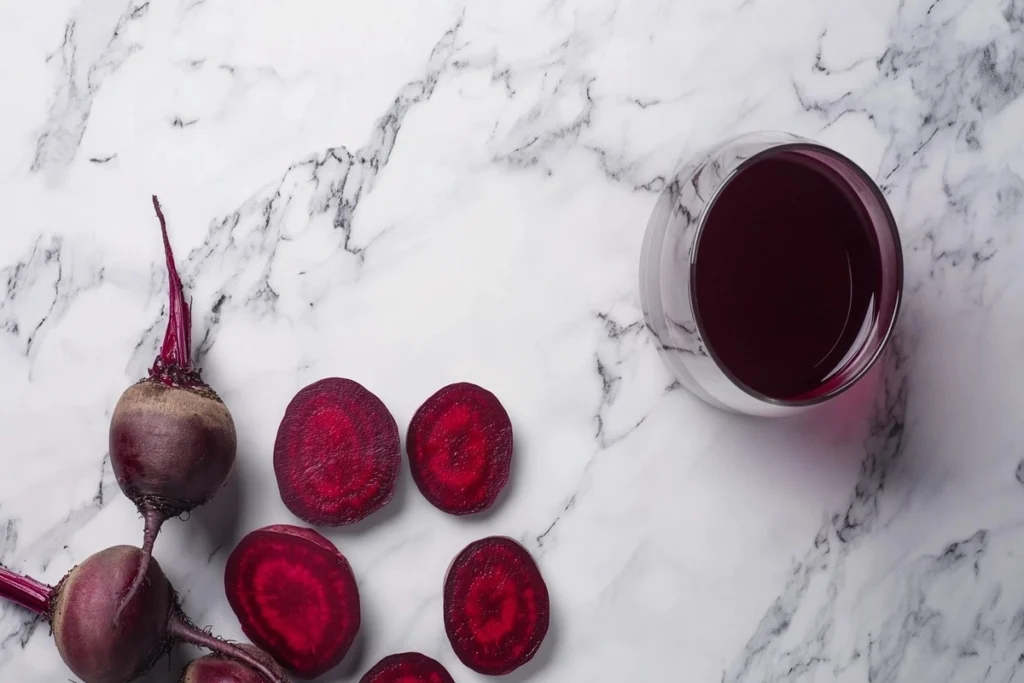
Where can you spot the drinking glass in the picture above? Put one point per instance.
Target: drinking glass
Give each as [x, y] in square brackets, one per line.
[671, 258]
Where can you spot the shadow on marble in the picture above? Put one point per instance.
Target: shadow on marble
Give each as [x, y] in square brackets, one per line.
[824, 439]
[853, 406]
[219, 521]
[168, 668]
[353, 665]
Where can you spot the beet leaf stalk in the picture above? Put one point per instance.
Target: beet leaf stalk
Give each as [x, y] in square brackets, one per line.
[176, 350]
[24, 591]
[97, 647]
[172, 439]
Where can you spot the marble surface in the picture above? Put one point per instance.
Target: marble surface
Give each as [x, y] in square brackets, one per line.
[411, 194]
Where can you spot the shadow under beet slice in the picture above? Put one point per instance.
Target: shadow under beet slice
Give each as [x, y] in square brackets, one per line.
[460, 448]
[337, 453]
[496, 609]
[408, 667]
[295, 596]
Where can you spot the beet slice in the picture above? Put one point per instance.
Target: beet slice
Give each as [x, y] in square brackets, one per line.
[496, 609]
[337, 453]
[460, 448]
[295, 596]
[408, 667]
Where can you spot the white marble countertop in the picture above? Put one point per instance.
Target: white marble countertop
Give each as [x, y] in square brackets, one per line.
[411, 194]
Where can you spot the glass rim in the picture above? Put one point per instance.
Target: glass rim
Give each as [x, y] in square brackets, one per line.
[890, 221]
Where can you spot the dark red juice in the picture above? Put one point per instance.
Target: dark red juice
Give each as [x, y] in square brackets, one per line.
[787, 276]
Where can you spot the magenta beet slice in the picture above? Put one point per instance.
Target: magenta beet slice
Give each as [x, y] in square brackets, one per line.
[496, 608]
[460, 448]
[337, 453]
[295, 597]
[408, 667]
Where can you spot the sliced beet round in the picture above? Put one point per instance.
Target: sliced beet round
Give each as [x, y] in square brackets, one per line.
[295, 596]
[460, 448]
[496, 608]
[408, 667]
[337, 453]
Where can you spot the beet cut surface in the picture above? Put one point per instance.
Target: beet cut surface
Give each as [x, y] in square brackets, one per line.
[295, 596]
[460, 448]
[337, 453]
[408, 667]
[496, 609]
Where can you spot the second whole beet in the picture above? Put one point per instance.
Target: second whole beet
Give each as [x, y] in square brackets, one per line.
[103, 641]
[216, 668]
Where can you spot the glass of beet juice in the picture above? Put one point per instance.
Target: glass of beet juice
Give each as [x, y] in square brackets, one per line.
[771, 274]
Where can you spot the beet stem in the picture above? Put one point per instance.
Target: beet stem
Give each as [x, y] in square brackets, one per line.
[182, 630]
[24, 591]
[154, 519]
[177, 346]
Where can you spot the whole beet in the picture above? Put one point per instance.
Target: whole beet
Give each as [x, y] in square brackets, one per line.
[172, 439]
[83, 599]
[218, 669]
[102, 643]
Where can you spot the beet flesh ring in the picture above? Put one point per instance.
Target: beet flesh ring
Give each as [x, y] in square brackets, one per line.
[295, 596]
[460, 448]
[337, 453]
[496, 609]
[408, 667]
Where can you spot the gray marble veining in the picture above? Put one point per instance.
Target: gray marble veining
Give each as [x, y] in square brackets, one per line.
[412, 195]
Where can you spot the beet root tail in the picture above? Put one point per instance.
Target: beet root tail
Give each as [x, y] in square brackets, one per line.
[177, 347]
[182, 630]
[154, 519]
[25, 591]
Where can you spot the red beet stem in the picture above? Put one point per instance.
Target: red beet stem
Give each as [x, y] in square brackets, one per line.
[24, 591]
[153, 520]
[181, 630]
[177, 347]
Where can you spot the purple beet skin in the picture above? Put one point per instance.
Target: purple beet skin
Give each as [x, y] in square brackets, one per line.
[103, 641]
[220, 669]
[172, 439]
